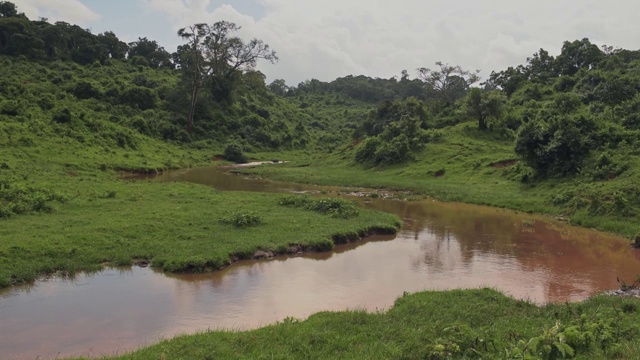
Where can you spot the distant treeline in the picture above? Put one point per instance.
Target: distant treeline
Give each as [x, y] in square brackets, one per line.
[41, 40]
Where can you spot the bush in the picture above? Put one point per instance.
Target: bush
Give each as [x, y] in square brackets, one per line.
[242, 219]
[335, 207]
[555, 148]
[85, 90]
[233, 153]
[17, 199]
[140, 97]
[62, 116]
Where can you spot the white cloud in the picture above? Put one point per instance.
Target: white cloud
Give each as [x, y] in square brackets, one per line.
[72, 11]
[331, 38]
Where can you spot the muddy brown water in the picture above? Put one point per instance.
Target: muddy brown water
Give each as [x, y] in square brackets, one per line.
[442, 246]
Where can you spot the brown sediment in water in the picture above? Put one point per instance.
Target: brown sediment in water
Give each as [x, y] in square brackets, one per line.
[441, 246]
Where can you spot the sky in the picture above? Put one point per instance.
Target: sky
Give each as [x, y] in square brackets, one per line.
[333, 38]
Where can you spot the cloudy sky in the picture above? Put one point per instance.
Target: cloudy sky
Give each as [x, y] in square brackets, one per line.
[332, 38]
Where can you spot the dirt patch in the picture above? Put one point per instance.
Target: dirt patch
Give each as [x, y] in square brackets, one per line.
[503, 163]
[139, 175]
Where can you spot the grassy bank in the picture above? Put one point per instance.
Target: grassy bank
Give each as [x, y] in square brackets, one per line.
[469, 324]
[63, 209]
[467, 165]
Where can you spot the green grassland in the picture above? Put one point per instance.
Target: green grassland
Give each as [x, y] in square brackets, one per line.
[65, 210]
[558, 135]
[472, 166]
[460, 324]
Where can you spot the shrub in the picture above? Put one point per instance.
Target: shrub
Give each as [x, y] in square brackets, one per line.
[555, 148]
[18, 199]
[62, 116]
[140, 97]
[242, 219]
[335, 207]
[233, 153]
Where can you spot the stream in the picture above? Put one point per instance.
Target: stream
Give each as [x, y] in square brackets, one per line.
[441, 246]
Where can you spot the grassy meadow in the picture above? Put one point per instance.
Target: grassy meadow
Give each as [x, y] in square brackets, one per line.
[472, 166]
[460, 324]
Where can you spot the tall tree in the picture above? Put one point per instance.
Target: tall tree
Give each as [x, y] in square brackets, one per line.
[8, 9]
[117, 49]
[484, 105]
[213, 56]
[451, 82]
[155, 55]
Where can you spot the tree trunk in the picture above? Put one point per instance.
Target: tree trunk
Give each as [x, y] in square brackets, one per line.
[194, 96]
[482, 123]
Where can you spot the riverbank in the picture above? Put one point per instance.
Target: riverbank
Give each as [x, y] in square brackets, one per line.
[470, 166]
[70, 212]
[431, 325]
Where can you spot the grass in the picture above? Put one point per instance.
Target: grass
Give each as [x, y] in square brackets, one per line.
[95, 219]
[471, 324]
[475, 167]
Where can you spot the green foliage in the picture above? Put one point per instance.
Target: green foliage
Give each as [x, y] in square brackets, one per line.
[140, 97]
[335, 207]
[396, 131]
[242, 219]
[556, 147]
[459, 324]
[233, 152]
[18, 199]
[485, 107]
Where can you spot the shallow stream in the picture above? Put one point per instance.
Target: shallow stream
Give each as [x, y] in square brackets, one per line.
[441, 246]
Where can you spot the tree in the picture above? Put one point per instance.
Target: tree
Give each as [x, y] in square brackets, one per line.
[576, 55]
[8, 9]
[616, 91]
[508, 80]
[451, 82]
[540, 66]
[117, 49]
[484, 105]
[556, 147]
[278, 87]
[155, 55]
[213, 56]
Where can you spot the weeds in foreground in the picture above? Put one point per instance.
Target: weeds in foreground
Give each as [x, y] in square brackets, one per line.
[242, 219]
[17, 199]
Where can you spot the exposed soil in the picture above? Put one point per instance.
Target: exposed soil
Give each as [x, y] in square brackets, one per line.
[504, 163]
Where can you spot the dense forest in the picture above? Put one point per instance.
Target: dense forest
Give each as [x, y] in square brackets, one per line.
[571, 116]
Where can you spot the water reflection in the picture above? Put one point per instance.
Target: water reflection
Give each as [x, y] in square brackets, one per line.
[442, 246]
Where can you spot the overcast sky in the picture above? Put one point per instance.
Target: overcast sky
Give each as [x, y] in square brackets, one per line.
[333, 38]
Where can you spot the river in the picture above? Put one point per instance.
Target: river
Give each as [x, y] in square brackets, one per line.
[441, 246]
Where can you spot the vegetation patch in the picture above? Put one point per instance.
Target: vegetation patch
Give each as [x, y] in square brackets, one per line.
[459, 324]
[335, 207]
[18, 199]
[242, 219]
